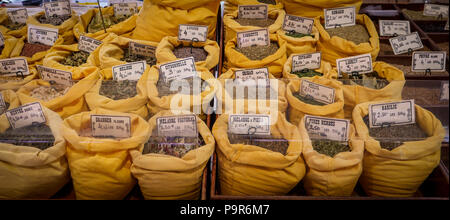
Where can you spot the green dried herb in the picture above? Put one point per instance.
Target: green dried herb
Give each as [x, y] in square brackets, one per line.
[128, 57]
[164, 87]
[370, 80]
[39, 136]
[265, 141]
[116, 90]
[198, 53]
[53, 20]
[308, 100]
[173, 146]
[418, 16]
[269, 2]
[97, 25]
[329, 147]
[258, 52]
[77, 58]
[356, 33]
[255, 22]
[298, 35]
[307, 73]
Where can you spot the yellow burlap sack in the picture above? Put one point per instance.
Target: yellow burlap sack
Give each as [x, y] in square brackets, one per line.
[37, 57]
[300, 45]
[274, 62]
[164, 52]
[168, 177]
[251, 170]
[4, 19]
[10, 43]
[332, 176]
[69, 104]
[400, 172]
[325, 69]
[65, 29]
[100, 168]
[232, 26]
[356, 94]
[31, 173]
[180, 101]
[232, 5]
[298, 109]
[81, 28]
[335, 47]
[10, 97]
[245, 106]
[314, 8]
[160, 18]
[16, 84]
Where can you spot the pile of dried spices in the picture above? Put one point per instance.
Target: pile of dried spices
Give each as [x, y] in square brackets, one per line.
[391, 137]
[164, 87]
[329, 147]
[173, 146]
[97, 25]
[370, 80]
[418, 16]
[308, 100]
[53, 20]
[258, 52]
[269, 2]
[198, 53]
[423, 96]
[265, 141]
[76, 58]
[307, 73]
[298, 35]
[39, 136]
[129, 57]
[3, 110]
[29, 50]
[255, 22]
[47, 93]
[118, 89]
[356, 33]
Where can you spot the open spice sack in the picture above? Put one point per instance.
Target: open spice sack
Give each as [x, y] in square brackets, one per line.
[272, 56]
[8, 27]
[32, 162]
[33, 52]
[314, 8]
[231, 6]
[171, 164]
[258, 162]
[341, 42]
[100, 165]
[64, 99]
[20, 79]
[234, 24]
[64, 24]
[8, 46]
[325, 69]
[206, 54]
[314, 96]
[300, 43]
[334, 165]
[398, 158]
[170, 14]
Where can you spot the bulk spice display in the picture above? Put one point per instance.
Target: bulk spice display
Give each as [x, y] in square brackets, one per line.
[38, 136]
[356, 33]
[130, 57]
[370, 80]
[259, 52]
[30, 49]
[76, 58]
[47, 93]
[118, 89]
[173, 146]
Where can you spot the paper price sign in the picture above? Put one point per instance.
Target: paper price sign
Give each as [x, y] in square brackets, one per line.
[19, 16]
[320, 93]
[253, 38]
[2, 40]
[394, 27]
[179, 69]
[2, 105]
[327, 128]
[252, 76]
[298, 24]
[59, 8]
[196, 33]
[427, 61]
[26, 115]
[309, 61]
[392, 113]
[339, 17]
[444, 91]
[249, 124]
[253, 11]
[435, 10]
[177, 126]
[54, 75]
[42, 35]
[106, 126]
[129, 71]
[141, 49]
[14, 67]
[357, 64]
[88, 44]
[406, 43]
[125, 9]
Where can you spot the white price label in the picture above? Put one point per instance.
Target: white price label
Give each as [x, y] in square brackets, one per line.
[59, 8]
[177, 126]
[129, 71]
[298, 24]
[19, 16]
[406, 43]
[444, 91]
[54, 75]
[125, 9]
[357, 64]
[26, 115]
[253, 38]
[105, 126]
[42, 35]
[394, 27]
[253, 11]
[432, 61]
[339, 17]
[88, 44]
[320, 93]
[310, 61]
[249, 124]
[2, 40]
[141, 49]
[327, 128]
[392, 113]
[196, 33]
[2, 105]
[179, 69]
[259, 76]
[14, 67]
[435, 10]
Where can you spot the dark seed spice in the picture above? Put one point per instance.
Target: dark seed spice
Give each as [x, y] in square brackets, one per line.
[308, 100]
[265, 141]
[356, 33]
[329, 147]
[29, 50]
[53, 20]
[255, 22]
[173, 146]
[117, 90]
[77, 58]
[198, 53]
[128, 57]
[369, 80]
[164, 87]
[3, 110]
[39, 136]
[307, 73]
[258, 52]
[393, 136]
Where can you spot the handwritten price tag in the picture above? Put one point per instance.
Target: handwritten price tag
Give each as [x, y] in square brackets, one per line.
[249, 124]
[258, 76]
[327, 128]
[423, 61]
[406, 43]
[310, 61]
[42, 35]
[253, 38]
[253, 11]
[54, 75]
[142, 49]
[129, 71]
[357, 64]
[128, 9]
[179, 69]
[392, 113]
[298, 24]
[177, 126]
[320, 93]
[394, 27]
[26, 115]
[88, 44]
[105, 126]
[197, 33]
[19, 16]
[59, 8]
[339, 17]
[14, 67]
